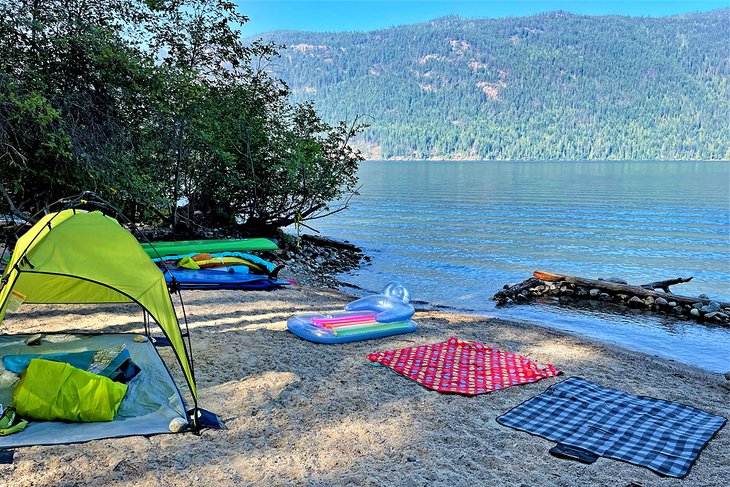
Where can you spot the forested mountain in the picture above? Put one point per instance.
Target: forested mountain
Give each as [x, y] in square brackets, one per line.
[551, 86]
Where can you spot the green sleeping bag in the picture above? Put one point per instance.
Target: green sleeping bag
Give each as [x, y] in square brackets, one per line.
[51, 391]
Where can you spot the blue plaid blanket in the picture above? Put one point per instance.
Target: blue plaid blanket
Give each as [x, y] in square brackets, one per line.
[663, 436]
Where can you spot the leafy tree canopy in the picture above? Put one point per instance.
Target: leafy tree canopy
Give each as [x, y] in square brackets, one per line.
[150, 102]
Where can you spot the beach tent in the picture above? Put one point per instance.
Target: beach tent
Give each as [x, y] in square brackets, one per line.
[78, 257]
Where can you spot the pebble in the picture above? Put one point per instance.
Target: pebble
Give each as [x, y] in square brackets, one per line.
[661, 302]
[594, 292]
[177, 425]
[727, 375]
[695, 312]
[636, 301]
[605, 297]
[711, 308]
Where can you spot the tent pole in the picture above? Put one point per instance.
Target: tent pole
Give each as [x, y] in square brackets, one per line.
[190, 358]
[146, 322]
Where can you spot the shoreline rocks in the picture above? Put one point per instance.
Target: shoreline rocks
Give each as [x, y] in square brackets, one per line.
[316, 260]
[703, 310]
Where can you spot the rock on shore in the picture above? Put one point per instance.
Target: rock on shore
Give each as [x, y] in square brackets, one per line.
[315, 260]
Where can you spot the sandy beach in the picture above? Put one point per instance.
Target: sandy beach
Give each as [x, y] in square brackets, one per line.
[299, 413]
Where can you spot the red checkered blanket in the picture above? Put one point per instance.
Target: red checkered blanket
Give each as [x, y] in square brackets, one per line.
[463, 367]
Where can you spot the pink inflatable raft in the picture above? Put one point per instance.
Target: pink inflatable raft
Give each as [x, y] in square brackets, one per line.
[380, 315]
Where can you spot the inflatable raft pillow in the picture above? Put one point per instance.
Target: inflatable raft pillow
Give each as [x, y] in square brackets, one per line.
[51, 391]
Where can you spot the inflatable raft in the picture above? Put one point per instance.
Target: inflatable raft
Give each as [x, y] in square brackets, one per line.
[374, 316]
[220, 260]
[222, 278]
[157, 249]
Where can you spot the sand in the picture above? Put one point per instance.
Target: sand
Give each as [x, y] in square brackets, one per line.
[299, 413]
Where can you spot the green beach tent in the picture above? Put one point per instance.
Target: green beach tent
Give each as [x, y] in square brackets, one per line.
[79, 257]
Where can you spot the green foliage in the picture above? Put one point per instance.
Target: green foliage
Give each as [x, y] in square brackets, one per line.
[552, 86]
[155, 101]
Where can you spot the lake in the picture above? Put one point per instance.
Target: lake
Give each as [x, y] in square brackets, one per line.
[455, 232]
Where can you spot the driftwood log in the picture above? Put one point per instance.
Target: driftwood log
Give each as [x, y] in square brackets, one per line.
[617, 291]
[615, 287]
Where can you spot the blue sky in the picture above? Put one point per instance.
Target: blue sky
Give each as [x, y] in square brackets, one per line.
[362, 15]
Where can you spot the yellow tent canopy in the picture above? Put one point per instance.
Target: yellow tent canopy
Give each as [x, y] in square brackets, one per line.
[78, 257]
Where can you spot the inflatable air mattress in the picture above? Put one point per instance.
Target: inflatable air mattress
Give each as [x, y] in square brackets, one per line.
[216, 279]
[374, 316]
[303, 326]
[200, 246]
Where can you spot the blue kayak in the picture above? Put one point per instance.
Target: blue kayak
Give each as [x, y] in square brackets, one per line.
[216, 279]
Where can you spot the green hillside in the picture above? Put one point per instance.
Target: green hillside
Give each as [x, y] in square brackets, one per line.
[552, 86]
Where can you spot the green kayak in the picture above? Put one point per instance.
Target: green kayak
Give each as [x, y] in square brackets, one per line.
[200, 246]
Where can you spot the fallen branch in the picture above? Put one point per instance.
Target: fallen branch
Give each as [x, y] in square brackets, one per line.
[664, 285]
[610, 291]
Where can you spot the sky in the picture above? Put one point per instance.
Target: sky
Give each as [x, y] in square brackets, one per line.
[364, 15]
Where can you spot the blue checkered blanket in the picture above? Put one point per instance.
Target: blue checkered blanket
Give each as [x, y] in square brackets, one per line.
[663, 436]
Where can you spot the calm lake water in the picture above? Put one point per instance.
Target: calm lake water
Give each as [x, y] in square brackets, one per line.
[456, 232]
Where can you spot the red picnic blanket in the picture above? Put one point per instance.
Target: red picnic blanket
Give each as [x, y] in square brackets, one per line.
[463, 367]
